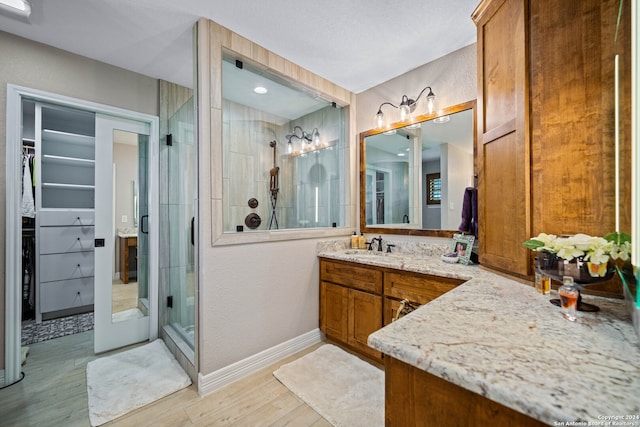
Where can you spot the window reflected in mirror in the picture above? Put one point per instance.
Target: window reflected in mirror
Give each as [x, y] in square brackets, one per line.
[413, 178]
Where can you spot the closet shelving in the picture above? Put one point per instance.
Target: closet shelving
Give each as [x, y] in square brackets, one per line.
[65, 201]
[68, 164]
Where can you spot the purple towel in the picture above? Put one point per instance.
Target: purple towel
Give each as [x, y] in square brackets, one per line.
[469, 222]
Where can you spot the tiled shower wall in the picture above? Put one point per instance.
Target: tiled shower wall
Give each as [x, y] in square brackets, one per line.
[248, 158]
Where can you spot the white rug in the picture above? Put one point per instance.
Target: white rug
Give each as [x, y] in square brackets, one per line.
[126, 381]
[344, 389]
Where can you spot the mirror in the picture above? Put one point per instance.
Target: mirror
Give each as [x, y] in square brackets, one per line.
[413, 176]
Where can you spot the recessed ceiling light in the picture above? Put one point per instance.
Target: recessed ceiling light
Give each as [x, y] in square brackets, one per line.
[260, 90]
[401, 154]
[16, 7]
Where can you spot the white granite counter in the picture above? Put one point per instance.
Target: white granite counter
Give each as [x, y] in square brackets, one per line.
[505, 341]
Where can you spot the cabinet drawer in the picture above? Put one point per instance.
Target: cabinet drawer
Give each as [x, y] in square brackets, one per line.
[65, 294]
[419, 288]
[350, 275]
[67, 217]
[66, 239]
[72, 265]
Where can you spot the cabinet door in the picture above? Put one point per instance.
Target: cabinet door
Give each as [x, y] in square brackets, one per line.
[503, 137]
[417, 288]
[334, 305]
[365, 311]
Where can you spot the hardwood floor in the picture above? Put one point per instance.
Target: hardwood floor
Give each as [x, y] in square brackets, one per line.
[54, 393]
[124, 297]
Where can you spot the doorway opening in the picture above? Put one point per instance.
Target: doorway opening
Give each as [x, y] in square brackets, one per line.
[68, 229]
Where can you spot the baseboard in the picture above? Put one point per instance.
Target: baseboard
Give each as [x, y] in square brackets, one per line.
[229, 374]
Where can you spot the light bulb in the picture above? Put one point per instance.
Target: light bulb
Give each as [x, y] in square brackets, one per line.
[431, 104]
[404, 112]
[379, 120]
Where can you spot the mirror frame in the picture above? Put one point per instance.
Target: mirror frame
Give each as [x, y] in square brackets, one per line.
[469, 105]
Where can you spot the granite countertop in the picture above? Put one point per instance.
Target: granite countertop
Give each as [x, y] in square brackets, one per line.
[409, 256]
[503, 340]
[128, 232]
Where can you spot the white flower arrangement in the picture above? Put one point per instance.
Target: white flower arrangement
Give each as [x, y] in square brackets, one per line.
[597, 250]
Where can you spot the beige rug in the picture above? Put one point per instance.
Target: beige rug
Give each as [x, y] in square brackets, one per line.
[344, 389]
[129, 380]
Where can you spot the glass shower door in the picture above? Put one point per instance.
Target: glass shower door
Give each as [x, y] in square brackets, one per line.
[181, 212]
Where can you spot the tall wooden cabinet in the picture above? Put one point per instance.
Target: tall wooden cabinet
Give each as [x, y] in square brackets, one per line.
[546, 122]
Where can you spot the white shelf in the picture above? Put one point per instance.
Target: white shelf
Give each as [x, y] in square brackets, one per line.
[67, 186]
[75, 161]
[66, 137]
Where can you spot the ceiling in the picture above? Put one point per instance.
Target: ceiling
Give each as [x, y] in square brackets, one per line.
[356, 44]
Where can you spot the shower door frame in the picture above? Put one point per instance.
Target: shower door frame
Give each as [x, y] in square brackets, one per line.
[13, 307]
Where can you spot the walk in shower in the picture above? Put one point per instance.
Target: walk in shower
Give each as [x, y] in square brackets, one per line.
[283, 151]
[177, 220]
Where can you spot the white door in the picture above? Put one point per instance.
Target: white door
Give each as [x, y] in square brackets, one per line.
[126, 306]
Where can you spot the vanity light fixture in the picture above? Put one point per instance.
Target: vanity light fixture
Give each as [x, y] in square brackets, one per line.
[441, 119]
[406, 107]
[307, 141]
[20, 8]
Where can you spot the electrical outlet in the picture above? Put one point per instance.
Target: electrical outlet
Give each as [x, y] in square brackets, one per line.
[124, 218]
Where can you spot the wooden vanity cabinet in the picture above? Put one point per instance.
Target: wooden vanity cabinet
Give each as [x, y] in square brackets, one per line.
[417, 288]
[357, 300]
[545, 123]
[350, 304]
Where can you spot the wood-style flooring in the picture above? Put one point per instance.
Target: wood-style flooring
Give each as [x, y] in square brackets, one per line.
[54, 393]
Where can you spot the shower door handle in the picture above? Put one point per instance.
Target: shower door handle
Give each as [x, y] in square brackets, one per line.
[142, 222]
[193, 218]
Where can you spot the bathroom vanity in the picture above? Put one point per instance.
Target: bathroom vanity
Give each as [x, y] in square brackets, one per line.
[487, 351]
[360, 292]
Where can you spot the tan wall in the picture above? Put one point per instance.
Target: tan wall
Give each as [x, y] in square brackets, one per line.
[41, 67]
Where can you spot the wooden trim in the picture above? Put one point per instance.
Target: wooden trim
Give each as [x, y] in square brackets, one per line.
[500, 131]
[468, 105]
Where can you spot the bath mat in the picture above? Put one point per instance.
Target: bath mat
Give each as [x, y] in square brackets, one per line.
[344, 389]
[126, 381]
[24, 352]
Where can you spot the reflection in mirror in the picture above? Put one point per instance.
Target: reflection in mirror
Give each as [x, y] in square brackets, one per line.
[128, 292]
[413, 177]
[282, 147]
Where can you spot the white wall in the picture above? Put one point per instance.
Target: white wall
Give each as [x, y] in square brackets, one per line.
[456, 173]
[453, 79]
[37, 66]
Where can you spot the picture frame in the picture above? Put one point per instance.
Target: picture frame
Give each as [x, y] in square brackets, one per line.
[462, 244]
